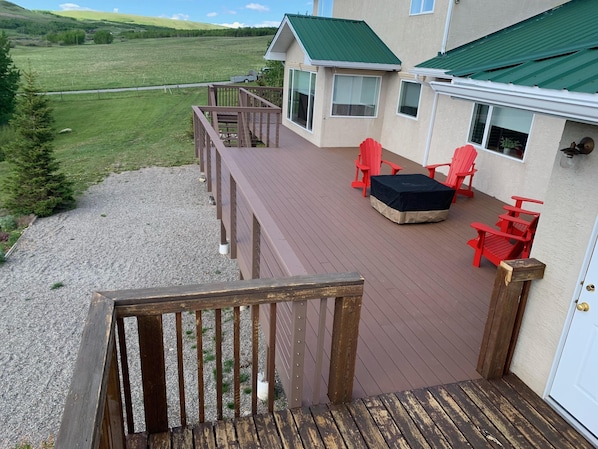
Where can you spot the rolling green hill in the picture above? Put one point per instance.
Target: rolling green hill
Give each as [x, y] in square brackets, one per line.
[131, 19]
[28, 27]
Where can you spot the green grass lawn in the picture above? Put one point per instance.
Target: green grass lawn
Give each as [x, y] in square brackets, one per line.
[124, 131]
[129, 130]
[142, 62]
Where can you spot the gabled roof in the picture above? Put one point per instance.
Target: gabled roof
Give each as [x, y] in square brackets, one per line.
[557, 49]
[331, 42]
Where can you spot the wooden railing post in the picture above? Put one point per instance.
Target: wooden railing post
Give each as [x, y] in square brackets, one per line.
[153, 373]
[507, 306]
[343, 353]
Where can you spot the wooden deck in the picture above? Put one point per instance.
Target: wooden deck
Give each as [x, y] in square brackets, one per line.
[478, 414]
[425, 305]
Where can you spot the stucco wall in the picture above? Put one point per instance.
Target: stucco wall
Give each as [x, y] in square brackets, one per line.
[563, 236]
[497, 175]
[415, 39]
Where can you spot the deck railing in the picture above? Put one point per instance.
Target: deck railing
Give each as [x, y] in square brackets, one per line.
[243, 117]
[100, 408]
[262, 251]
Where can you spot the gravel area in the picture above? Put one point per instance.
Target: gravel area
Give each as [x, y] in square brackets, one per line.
[152, 227]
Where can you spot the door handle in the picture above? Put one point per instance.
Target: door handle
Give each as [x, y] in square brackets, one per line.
[583, 306]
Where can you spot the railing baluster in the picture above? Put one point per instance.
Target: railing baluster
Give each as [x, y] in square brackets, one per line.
[179, 355]
[218, 344]
[237, 360]
[320, 351]
[255, 248]
[200, 373]
[271, 357]
[255, 323]
[124, 363]
[233, 218]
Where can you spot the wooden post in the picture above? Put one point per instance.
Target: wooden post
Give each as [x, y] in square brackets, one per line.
[343, 353]
[153, 373]
[113, 429]
[504, 316]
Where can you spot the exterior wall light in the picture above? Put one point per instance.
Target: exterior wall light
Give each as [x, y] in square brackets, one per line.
[585, 146]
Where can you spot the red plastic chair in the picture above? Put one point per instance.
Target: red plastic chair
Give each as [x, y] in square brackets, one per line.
[369, 163]
[516, 211]
[496, 245]
[461, 166]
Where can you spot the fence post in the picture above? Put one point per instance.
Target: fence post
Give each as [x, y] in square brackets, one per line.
[507, 305]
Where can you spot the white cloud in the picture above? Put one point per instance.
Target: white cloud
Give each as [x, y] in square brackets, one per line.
[73, 7]
[115, 10]
[233, 25]
[257, 7]
[212, 14]
[180, 17]
[268, 23]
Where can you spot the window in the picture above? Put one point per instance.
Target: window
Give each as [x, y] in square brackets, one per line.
[302, 87]
[325, 8]
[503, 130]
[421, 7]
[355, 96]
[409, 98]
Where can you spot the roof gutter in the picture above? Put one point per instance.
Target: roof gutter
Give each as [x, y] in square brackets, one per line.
[569, 105]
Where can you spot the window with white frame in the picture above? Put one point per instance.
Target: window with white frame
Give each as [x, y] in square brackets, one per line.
[421, 7]
[355, 96]
[302, 88]
[325, 8]
[409, 98]
[500, 129]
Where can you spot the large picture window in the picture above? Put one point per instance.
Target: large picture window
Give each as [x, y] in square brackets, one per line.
[302, 88]
[355, 96]
[503, 130]
[409, 98]
[421, 6]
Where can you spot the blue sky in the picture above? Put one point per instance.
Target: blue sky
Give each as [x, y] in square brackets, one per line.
[222, 12]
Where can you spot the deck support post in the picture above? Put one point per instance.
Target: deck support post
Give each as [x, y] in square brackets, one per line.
[343, 353]
[507, 305]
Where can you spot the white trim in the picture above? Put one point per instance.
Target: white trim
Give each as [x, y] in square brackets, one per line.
[555, 405]
[571, 105]
[432, 73]
[353, 65]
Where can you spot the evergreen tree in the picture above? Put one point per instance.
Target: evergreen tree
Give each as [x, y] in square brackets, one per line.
[9, 80]
[34, 184]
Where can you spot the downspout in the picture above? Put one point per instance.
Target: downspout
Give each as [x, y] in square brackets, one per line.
[430, 129]
[447, 25]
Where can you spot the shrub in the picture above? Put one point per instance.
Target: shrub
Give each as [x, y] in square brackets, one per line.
[103, 37]
[8, 223]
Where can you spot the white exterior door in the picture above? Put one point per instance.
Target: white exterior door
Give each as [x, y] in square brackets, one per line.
[575, 385]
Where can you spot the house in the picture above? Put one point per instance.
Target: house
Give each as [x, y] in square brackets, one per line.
[441, 73]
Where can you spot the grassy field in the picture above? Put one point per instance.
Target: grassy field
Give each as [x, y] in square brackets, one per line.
[142, 62]
[124, 131]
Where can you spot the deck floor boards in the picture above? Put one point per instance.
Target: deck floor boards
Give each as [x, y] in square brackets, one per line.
[474, 413]
[424, 305]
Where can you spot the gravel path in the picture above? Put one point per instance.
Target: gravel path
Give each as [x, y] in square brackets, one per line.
[152, 227]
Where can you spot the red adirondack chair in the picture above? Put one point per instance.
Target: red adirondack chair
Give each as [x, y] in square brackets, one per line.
[496, 245]
[369, 162]
[516, 211]
[461, 166]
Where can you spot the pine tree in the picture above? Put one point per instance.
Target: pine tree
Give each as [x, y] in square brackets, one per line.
[34, 184]
[9, 80]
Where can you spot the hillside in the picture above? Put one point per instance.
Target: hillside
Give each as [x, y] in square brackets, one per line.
[27, 27]
[131, 19]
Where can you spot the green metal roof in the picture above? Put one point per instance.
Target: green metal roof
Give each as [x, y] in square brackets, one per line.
[557, 49]
[334, 42]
